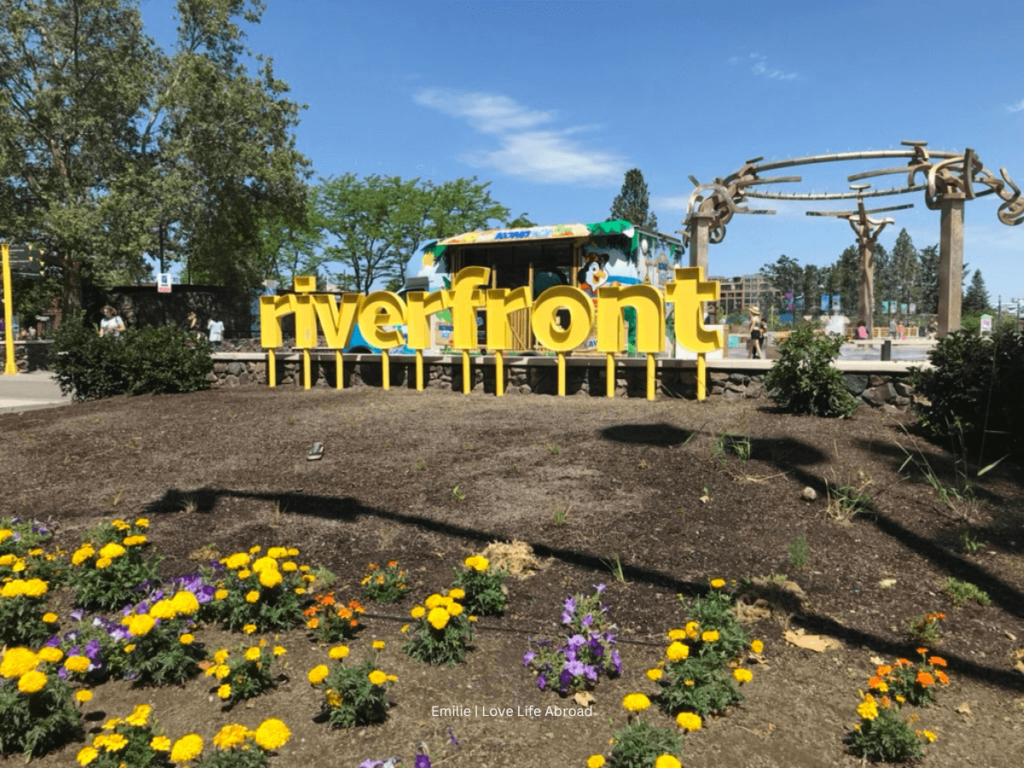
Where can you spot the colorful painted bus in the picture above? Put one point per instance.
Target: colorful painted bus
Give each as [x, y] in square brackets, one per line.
[586, 256]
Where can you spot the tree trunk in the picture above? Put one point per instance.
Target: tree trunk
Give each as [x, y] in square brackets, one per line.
[72, 301]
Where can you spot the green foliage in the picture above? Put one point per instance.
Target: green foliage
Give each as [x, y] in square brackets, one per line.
[35, 723]
[963, 592]
[915, 684]
[974, 385]
[632, 202]
[248, 755]
[639, 744]
[331, 621]
[725, 444]
[127, 743]
[351, 698]
[246, 673]
[23, 554]
[22, 607]
[385, 585]
[110, 563]
[803, 379]
[441, 633]
[976, 299]
[483, 585]
[697, 684]
[799, 552]
[716, 612]
[846, 502]
[969, 544]
[925, 627]
[887, 737]
[266, 599]
[160, 360]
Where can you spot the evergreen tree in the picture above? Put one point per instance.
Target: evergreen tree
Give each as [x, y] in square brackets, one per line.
[929, 280]
[905, 269]
[631, 204]
[845, 280]
[976, 299]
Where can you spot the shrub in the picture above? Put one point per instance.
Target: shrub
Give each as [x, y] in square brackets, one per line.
[353, 696]
[883, 735]
[110, 564]
[974, 381]
[385, 585]
[803, 379]
[159, 359]
[442, 630]
[37, 712]
[485, 593]
[962, 592]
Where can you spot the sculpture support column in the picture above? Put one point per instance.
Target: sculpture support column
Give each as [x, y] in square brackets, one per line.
[867, 285]
[951, 261]
[700, 228]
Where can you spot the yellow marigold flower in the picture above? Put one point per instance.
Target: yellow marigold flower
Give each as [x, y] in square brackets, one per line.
[103, 562]
[77, 664]
[82, 554]
[270, 577]
[278, 553]
[667, 761]
[743, 675]
[309, 578]
[50, 617]
[160, 743]
[472, 618]
[31, 682]
[5, 533]
[220, 594]
[129, 648]
[677, 634]
[163, 609]
[929, 736]
[86, 755]
[289, 567]
[18, 661]
[139, 716]
[300, 590]
[417, 612]
[221, 671]
[304, 568]
[142, 522]
[187, 748]
[112, 723]
[434, 601]
[377, 677]
[134, 541]
[378, 645]
[455, 609]
[36, 588]
[677, 651]
[221, 655]
[231, 735]
[318, 673]
[186, 639]
[717, 583]
[636, 702]
[867, 709]
[313, 623]
[249, 629]
[392, 678]
[8, 558]
[456, 594]
[185, 602]
[757, 646]
[689, 721]
[264, 563]
[477, 563]
[244, 574]
[50, 655]
[338, 652]
[252, 597]
[688, 683]
[654, 674]
[404, 629]
[236, 561]
[595, 761]
[438, 618]
[141, 625]
[224, 692]
[272, 734]
[691, 629]
[279, 650]
[333, 698]
[253, 654]
[255, 550]
[113, 550]
[710, 636]
[83, 695]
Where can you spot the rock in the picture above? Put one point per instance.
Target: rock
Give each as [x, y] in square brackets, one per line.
[231, 380]
[856, 383]
[732, 395]
[754, 389]
[809, 494]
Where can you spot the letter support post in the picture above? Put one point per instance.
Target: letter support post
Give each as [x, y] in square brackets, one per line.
[609, 374]
[466, 372]
[339, 370]
[419, 370]
[652, 377]
[271, 368]
[385, 370]
[306, 373]
[702, 387]
[561, 374]
[499, 374]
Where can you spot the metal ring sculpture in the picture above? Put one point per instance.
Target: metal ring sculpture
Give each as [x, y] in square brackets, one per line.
[945, 173]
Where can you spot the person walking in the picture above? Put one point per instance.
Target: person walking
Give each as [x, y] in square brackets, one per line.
[111, 324]
[216, 329]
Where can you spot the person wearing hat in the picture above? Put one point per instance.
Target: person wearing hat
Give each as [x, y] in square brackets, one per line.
[755, 334]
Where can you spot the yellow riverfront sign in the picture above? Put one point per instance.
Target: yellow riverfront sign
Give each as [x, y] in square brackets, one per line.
[379, 315]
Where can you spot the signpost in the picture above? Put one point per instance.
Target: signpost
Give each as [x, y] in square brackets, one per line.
[10, 368]
[163, 282]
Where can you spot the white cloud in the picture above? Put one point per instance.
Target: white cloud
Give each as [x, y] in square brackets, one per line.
[675, 203]
[548, 156]
[760, 67]
[1018, 107]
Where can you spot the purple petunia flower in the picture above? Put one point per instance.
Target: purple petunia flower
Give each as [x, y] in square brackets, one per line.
[590, 672]
[452, 737]
[576, 641]
[617, 662]
[566, 617]
[575, 668]
[600, 588]
[77, 614]
[528, 657]
[422, 761]
[570, 603]
[542, 682]
[587, 620]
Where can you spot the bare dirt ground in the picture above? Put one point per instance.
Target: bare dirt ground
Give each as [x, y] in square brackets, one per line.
[637, 481]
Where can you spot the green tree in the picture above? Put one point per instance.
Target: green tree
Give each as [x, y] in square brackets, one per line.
[784, 276]
[845, 280]
[929, 280]
[905, 269]
[976, 299]
[111, 149]
[377, 223]
[632, 203]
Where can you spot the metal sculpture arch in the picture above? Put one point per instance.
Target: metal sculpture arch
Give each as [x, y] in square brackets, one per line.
[948, 179]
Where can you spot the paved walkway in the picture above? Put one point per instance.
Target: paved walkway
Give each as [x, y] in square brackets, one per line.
[28, 391]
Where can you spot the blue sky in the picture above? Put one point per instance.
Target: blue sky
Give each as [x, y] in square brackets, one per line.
[553, 101]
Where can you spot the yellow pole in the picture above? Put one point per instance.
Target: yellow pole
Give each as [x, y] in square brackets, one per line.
[702, 387]
[561, 374]
[465, 372]
[306, 384]
[10, 368]
[339, 370]
[271, 369]
[499, 374]
[385, 370]
[609, 375]
[651, 377]
[419, 370]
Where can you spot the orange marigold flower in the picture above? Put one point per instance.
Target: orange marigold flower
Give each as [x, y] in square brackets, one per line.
[943, 677]
[344, 612]
[392, 563]
[922, 651]
[937, 661]
[883, 670]
[925, 679]
[902, 663]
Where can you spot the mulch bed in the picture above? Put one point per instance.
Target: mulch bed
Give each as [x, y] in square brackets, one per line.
[639, 483]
